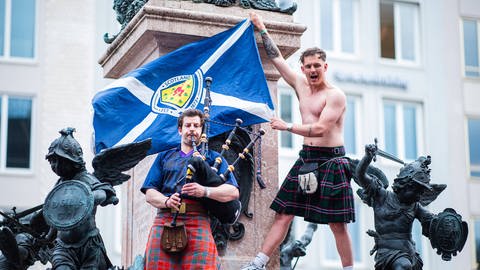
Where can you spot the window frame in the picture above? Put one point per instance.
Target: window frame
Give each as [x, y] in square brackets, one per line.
[462, 42]
[7, 57]
[297, 141]
[358, 114]
[467, 150]
[400, 130]
[397, 33]
[337, 52]
[4, 135]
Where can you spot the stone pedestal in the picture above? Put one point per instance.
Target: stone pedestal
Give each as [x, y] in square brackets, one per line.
[162, 26]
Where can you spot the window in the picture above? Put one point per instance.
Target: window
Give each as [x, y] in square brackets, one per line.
[471, 47]
[339, 19]
[15, 132]
[286, 113]
[402, 128]
[474, 146]
[17, 29]
[351, 125]
[399, 31]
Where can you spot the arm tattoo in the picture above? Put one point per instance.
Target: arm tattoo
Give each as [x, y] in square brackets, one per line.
[309, 130]
[270, 47]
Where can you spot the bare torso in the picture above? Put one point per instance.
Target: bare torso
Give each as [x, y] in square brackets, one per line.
[312, 104]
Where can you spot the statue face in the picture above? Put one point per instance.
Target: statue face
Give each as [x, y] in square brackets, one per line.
[409, 193]
[62, 166]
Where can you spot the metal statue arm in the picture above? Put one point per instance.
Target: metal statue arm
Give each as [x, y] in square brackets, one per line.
[297, 248]
[99, 196]
[363, 179]
[425, 217]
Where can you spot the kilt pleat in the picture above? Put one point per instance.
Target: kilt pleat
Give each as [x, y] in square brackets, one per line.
[332, 201]
[200, 253]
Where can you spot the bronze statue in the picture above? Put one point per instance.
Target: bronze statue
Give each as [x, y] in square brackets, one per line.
[70, 207]
[394, 213]
[296, 248]
[269, 5]
[24, 239]
[126, 9]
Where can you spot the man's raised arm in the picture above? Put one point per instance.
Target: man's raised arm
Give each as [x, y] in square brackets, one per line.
[287, 73]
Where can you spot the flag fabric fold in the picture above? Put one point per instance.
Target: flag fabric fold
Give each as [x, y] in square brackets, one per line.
[146, 102]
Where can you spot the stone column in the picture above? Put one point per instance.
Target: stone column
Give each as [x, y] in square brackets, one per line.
[162, 26]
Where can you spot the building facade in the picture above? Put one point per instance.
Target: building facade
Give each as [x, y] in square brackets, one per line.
[48, 75]
[410, 70]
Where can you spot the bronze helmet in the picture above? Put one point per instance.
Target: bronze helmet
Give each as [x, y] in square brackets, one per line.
[66, 146]
[417, 171]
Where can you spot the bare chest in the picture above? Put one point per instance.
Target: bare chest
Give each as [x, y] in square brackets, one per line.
[311, 106]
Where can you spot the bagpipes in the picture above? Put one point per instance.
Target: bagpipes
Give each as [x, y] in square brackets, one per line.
[199, 170]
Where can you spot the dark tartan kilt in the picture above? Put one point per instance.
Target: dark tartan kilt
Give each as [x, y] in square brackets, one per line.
[333, 200]
[200, 253]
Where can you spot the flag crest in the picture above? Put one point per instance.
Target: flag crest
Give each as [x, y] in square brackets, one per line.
[176, 92]
[146, 102]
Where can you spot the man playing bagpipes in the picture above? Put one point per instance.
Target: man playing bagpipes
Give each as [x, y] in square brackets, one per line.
[180, 237]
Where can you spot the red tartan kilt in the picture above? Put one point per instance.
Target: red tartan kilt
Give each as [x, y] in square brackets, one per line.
[200, 253]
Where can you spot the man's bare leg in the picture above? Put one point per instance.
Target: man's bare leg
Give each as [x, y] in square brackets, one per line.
[277, 233]
[343, 242]
[274, 238]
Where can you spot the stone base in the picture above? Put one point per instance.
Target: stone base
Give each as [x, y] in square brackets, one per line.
[162, 26]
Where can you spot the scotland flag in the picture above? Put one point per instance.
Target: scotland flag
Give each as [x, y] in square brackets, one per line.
[146, 102]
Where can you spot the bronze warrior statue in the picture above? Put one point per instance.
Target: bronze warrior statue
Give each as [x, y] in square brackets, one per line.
[394, 213]
[70, 207]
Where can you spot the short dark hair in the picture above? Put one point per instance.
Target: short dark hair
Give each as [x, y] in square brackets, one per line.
[190, 113]
[313, 51]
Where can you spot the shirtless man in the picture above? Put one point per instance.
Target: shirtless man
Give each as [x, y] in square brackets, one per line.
[322, 107]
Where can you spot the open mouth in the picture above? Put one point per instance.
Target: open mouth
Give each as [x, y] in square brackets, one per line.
[313, 77]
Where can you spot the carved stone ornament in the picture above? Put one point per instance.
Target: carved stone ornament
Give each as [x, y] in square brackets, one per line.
[68, 205]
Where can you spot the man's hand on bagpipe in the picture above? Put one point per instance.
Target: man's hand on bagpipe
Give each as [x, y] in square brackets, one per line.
[174, 201]
[194, 190]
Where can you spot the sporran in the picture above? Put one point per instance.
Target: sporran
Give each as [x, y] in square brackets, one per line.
[307, 178]
[174, 238]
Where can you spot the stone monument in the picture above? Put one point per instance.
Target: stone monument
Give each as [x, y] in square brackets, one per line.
[159, 27]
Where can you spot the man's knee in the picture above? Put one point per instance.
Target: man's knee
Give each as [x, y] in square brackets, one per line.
[284, 219]
[338, 228]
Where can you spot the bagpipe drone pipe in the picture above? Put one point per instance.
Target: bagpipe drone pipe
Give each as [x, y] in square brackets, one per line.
[203, 174]
[209, 176]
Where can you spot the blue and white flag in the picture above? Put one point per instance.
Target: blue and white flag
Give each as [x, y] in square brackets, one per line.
[146, 102]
